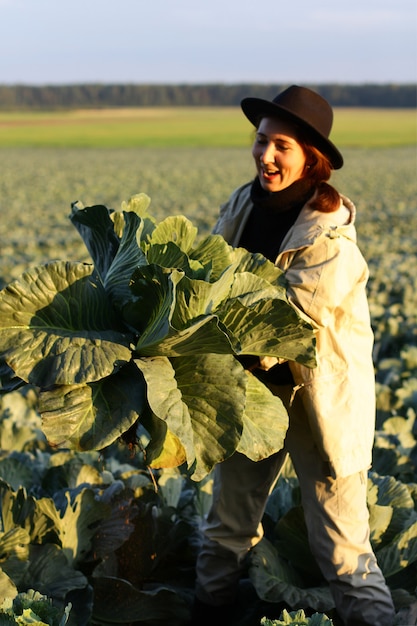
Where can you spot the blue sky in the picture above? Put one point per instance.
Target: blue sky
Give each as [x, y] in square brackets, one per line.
[197, 41]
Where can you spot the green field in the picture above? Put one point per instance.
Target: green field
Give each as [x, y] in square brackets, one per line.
[55, 494]
[187, 127]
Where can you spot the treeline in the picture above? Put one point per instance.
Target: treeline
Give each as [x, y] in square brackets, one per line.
[149, 95]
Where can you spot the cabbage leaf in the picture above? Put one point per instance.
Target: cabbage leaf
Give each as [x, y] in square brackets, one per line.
[149, 333]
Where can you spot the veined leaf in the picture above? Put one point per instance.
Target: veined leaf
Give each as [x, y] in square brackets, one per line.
[92, 416]
[165, 451]
[400, 553]
[201, 399]
[215, 254]
[170, 256]
[8, 379]
[50, 572]
[37, 517]
[275, 580]
[206, 335]
[386, 491]
[213, 387]
[257, 264]
[138, 204]
[97, 230]
[265, 422]
[195, 298]
[155, 289]
[14, 543]
[166, 402]
[250, 289]
[176, 229]
[196, 304]
[57, 327]
[150, 313]
[8, 589]
[78, 524]
[129, 256]
[170, 246]
[118, 602]
[270, 327]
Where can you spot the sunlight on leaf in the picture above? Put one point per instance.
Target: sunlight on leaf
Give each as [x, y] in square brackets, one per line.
[56, 326]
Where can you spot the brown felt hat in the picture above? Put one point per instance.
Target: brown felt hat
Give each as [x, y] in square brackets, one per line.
[305, 108]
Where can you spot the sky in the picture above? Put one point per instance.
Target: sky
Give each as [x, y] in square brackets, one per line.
[208, 41]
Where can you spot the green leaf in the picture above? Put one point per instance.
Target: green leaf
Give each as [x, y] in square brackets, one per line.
[38, 518]
[56, 327]
[19, 422]
[139, 204]
[50, 573]
[13, 544]
[298, 618]
[400, 553]
[385, 491]
[379, 520]
[270, 327]
[250, 289]
[202, 400]
[261, 267]
[170, 256]
[97, 230]
[265, 422]
[165, 449]
[8, 589]
[154, 290]
[119, 602]
[214, 254]
[165, 400]
[176, 229]
[196, 298]
[129, 256]
[275, 580]
[213, 387]
[8, 379]
[16, 473]
[78, 525]
[93, 415]
[205, 336]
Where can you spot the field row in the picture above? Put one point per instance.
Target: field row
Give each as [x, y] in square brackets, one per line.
[37, 187]
[88, 492]
[188, 127]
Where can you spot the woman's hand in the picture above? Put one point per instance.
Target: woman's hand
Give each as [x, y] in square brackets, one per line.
[267, 362]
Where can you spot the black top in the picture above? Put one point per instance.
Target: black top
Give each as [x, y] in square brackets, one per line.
[271, 217]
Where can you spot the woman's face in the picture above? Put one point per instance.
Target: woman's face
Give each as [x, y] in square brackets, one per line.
[279, 158]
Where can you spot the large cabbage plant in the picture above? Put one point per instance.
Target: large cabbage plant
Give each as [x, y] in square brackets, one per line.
[146, 336]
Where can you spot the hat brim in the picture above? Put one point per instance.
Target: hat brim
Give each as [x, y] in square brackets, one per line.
[256, 108]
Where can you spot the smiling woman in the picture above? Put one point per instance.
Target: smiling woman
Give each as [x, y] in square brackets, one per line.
[185, 126]
[279, 158]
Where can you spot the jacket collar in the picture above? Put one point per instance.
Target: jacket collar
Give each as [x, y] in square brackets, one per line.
[312, 223]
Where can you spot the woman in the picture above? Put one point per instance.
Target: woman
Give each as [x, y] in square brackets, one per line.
[294, 217]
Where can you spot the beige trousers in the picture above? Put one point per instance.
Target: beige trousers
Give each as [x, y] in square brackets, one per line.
[336, 516]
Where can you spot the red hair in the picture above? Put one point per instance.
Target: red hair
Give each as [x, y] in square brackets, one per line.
[318, 169]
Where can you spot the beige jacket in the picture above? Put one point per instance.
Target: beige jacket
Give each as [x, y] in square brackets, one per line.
[327, 278]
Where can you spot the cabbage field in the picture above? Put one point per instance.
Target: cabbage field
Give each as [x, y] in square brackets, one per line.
[96, 537]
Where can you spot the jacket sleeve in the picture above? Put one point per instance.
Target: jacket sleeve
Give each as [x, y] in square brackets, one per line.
[323, 278]
[233, 215]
